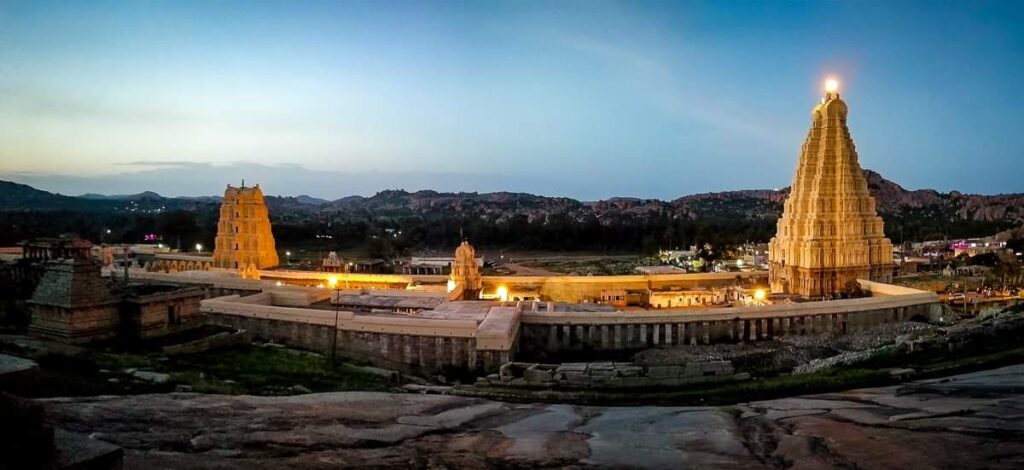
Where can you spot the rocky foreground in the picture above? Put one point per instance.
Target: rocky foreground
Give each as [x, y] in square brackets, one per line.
[968, 421]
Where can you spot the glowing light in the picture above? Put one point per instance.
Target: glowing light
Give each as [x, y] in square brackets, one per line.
[199, 247]
[759, 295]
[451, 285]
[831, 85]
[278, 283]
[287, 253]
[332, 281]
[503, 293]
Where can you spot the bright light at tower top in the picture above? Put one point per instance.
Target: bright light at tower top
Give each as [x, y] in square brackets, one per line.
[831, 85]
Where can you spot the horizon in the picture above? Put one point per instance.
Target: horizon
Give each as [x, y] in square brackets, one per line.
[648, 100]
[413, 191]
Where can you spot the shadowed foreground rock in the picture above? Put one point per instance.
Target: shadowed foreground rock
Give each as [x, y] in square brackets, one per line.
[968, 421]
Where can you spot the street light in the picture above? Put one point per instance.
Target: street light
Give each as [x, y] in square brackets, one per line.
[333, 282]
[759, 295]
[199, 247]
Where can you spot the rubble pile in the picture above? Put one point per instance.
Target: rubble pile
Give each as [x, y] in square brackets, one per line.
[610, 375]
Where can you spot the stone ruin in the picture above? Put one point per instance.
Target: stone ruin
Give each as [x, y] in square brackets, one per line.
[610, 375]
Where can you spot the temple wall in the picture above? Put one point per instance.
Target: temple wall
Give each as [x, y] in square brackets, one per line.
[548, 334]
[424, 346]
[84, 324]
[430, 345]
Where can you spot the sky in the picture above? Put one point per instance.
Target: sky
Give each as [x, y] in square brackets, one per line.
[586, 99]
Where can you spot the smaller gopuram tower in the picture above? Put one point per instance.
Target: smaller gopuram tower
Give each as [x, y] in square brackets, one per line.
[465, 281]
[244, 240]
[829, 233]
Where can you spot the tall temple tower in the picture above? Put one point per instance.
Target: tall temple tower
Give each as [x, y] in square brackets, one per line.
[244, 240]
[465, 281]
[829, 233]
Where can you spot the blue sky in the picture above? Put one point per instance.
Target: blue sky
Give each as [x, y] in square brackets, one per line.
[582, 99]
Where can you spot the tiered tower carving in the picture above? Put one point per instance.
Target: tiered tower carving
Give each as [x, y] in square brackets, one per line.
[830, 233]
[465, 279]
[244, 240]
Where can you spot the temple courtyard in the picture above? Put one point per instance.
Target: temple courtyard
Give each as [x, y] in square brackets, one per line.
[919, 424]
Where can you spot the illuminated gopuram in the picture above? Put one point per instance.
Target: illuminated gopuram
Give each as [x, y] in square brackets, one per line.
[829, 233]
[244, 239]
[465, 281]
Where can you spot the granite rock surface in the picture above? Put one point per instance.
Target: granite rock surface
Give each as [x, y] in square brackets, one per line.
[969, 421]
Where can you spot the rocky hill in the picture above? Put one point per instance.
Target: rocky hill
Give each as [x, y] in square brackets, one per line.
[893, 200]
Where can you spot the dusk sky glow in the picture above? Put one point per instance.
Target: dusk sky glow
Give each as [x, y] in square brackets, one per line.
[581, 99]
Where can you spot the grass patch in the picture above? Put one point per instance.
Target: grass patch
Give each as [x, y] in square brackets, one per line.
[119, 361]
[267, 371]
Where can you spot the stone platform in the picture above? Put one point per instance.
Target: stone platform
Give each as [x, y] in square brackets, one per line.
[968, 421]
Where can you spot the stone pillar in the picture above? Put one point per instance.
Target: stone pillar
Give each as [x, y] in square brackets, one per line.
[668, 334]
[604, 337]
[553, 338]
[643, 335]
[439, 352]
[656, 333]
[618, 337]
[456, 358]
[707, 333]
[566, 336]
[629, 335]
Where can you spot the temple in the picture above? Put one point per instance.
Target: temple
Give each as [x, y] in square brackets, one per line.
[465, 281]
[244, 240]
[830, 234]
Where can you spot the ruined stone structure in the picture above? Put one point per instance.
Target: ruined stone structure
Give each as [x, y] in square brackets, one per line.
[829, 234]
[74, 303]
[465, 280]
[244, 240]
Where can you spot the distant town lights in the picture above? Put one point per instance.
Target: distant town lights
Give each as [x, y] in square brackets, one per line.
[831, 85]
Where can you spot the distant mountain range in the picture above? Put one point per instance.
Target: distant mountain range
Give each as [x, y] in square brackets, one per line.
[892, 200]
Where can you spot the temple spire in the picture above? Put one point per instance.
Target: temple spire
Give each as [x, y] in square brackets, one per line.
[829, 234]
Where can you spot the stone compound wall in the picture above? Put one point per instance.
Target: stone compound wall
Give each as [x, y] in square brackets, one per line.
[610, 375]
[423, 346]
[431, 345]
[544, 335]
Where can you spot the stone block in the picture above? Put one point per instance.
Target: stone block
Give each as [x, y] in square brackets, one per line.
[636, 382]
[629, 371]
[505, 372]
[577, 379]
[657, 372]
[536, 374]
[573, 366]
